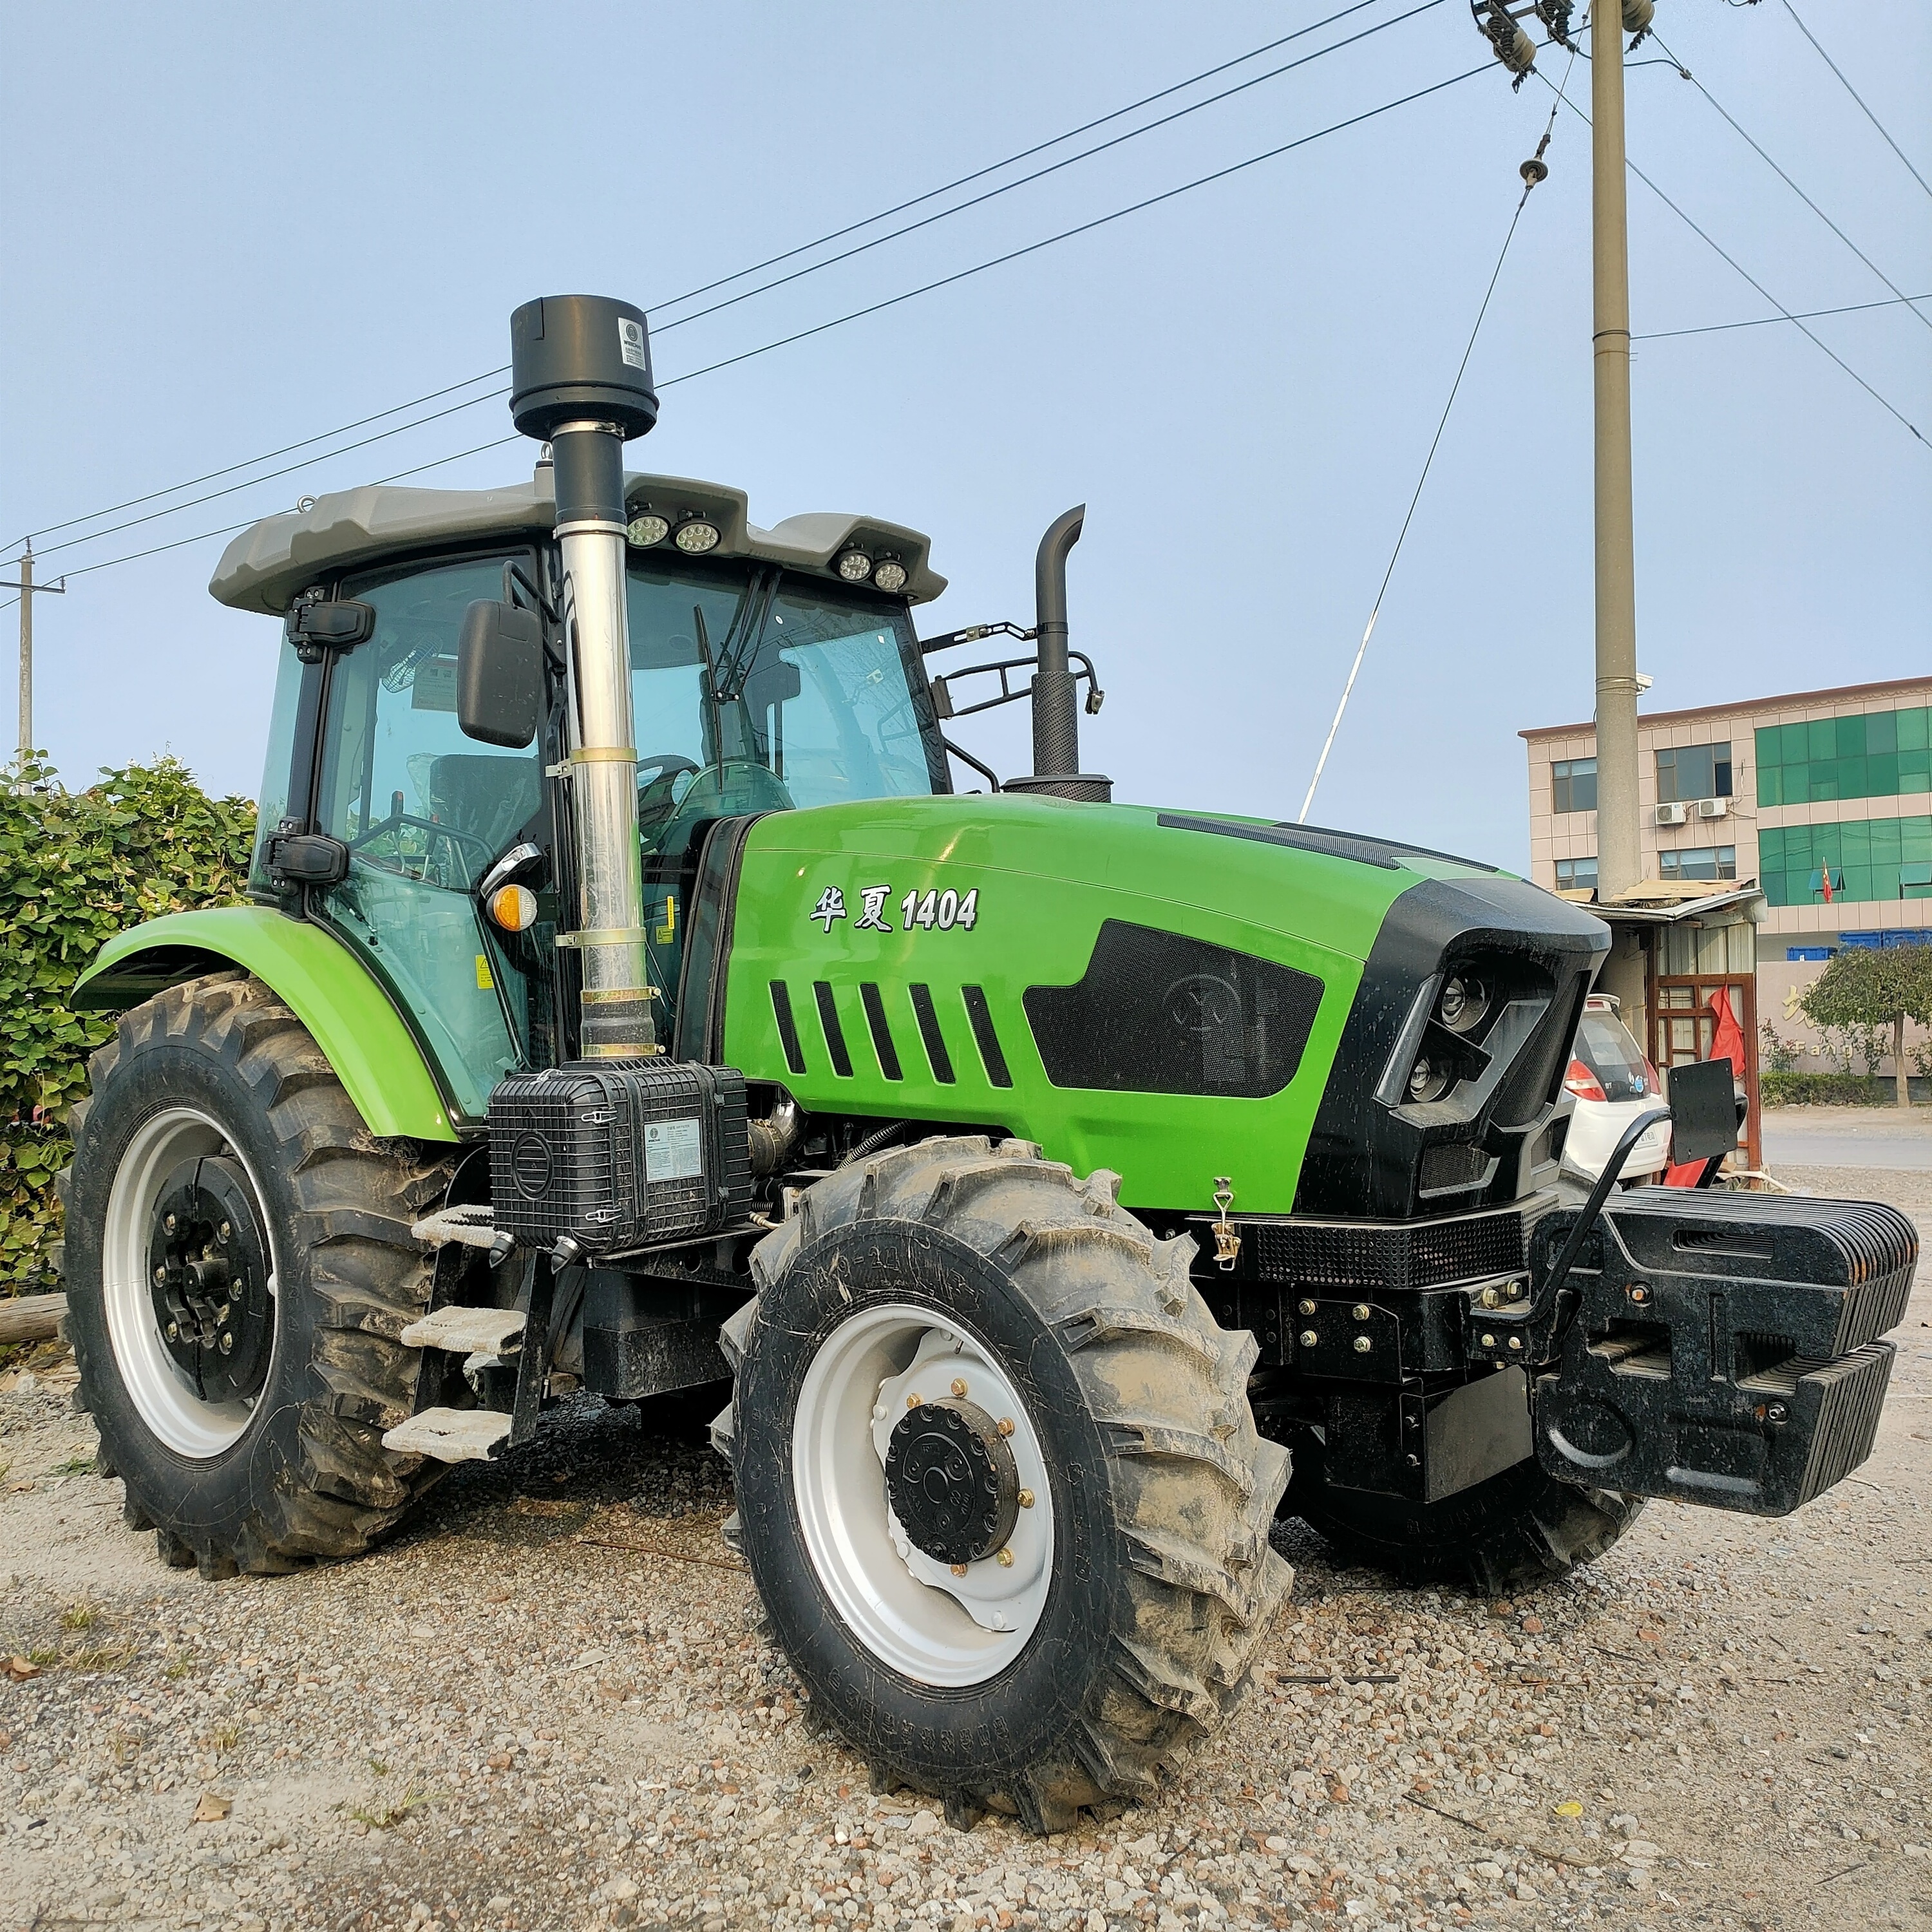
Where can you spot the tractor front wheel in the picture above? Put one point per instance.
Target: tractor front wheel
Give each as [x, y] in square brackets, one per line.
[239, 1267]
[998, 1483]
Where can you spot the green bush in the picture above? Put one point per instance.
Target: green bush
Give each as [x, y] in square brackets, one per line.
[76, 867]
[1830, 1089]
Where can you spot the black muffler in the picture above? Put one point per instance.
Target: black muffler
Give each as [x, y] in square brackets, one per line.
[1056, 711]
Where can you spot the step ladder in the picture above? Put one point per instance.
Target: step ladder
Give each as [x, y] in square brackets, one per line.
[483, 1335]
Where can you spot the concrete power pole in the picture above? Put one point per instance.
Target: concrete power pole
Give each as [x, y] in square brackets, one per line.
[28, 590]
[1619, 847]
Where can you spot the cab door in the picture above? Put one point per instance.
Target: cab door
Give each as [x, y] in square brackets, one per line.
[424, 812]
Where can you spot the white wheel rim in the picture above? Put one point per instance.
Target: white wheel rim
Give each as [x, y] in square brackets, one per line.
[908, 1609]
[163, 1397]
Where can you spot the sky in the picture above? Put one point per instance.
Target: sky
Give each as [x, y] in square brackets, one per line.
[230, 228]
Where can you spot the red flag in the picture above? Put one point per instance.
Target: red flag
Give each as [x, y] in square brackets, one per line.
[1727, 1042]
[1826, 876]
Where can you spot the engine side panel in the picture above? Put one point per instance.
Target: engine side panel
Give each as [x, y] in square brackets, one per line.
[882, 957]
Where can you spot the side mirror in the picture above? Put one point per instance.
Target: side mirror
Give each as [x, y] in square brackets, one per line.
[499, 674]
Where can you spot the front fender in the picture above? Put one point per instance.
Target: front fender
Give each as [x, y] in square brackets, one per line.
[374, 1055]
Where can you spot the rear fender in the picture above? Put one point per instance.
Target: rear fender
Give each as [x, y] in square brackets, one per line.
[376, 1057]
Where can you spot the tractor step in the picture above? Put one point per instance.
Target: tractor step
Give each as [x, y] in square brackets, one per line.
[450, 1435]
[488, 1332]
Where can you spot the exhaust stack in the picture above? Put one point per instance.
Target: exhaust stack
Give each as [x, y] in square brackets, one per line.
[1056, 713]
[581, 379]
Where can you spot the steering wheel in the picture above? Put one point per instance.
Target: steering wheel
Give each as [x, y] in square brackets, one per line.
[666, 768]
[454, 834]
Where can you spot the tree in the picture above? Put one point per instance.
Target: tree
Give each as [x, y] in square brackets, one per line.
[1866, 988]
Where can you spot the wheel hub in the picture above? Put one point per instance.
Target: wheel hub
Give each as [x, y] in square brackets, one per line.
[207, 1280]
[953, 1481]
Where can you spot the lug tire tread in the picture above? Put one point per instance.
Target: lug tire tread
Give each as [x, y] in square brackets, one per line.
[1196, 1487]
[355, 1197]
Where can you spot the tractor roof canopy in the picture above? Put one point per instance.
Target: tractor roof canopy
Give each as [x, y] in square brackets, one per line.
[273, 562]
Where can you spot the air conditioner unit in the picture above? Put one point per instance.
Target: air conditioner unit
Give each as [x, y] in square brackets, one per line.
[1713, 807]
[1671, 814]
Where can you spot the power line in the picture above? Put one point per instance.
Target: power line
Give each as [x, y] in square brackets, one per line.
[1792, 184]
[1082, 228]
[268, 456]
[1040, 174]
[892, 301]
[836, 234]
[1856, 96]
[1732, 262]
[1764, 321]
[1530, 179]
[1025, 154]
[269, 476]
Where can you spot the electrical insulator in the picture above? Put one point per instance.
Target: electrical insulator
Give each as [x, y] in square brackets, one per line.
[1555, 15]
[1512, 46]
[1638, 15]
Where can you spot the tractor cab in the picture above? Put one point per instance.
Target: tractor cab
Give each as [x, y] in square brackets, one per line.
[768, 671]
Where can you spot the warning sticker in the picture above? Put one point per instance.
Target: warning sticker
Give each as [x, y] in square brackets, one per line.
[631, 342]
[672, 1151]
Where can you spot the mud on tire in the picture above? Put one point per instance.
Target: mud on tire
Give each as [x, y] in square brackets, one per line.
[1519, 1528]
[306, 1476]
[1162, 1584]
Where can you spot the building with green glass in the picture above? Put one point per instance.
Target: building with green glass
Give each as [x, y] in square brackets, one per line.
[1823, 799]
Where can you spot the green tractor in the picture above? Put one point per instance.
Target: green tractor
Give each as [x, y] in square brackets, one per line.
[628, 999]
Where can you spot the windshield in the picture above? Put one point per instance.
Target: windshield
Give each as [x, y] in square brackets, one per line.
[1604, 1045]
[756, 692]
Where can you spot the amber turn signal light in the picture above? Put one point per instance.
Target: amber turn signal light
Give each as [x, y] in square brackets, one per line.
[513, 908]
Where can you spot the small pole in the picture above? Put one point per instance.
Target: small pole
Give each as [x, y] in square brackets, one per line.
[26, 653]
[28, 590]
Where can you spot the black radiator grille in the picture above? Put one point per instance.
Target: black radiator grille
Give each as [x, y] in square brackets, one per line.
[1390, 1254]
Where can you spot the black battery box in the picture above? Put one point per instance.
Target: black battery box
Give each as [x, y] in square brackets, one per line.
[619, 1154]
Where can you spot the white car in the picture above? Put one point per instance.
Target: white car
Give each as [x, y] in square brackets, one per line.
[1612, 1083]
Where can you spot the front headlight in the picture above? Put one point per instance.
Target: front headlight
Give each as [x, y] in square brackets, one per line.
[1429, 1079]
[1464, 1000]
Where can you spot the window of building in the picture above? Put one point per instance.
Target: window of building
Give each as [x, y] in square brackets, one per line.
[1573, 783]
[1688, 772]
[1868, 754]
[1868, 858]
[1700, 861]
[1577, 875]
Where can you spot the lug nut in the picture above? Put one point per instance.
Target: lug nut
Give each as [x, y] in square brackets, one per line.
[228, 1345]
[1516, 1341]
[223, 1235]
[958, 1569]
[1005, 1425]
[1360, 1311]
[174, 1331]
[1363, 1345]
[914, 1400]
[1308, 1338]
[169, 1223]
[959, 1386]
[1305, 1307]
[160, 1276]
[1026, 1499]
[1004, 1559]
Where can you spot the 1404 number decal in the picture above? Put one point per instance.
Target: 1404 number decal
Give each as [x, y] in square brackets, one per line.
[946, 911]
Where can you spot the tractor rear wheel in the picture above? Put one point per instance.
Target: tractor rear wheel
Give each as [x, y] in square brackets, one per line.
[998, 1483]
[1519, 1528]
[239, 1267]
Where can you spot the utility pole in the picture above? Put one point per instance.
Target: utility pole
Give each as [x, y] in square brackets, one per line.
[28, 590]
[1619, 843]
[1619, 847]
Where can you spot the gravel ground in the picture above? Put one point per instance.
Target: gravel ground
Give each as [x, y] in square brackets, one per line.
[551, 1703]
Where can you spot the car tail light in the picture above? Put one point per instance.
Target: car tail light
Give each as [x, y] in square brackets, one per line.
[1582, 1082]
[1650, 1074]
